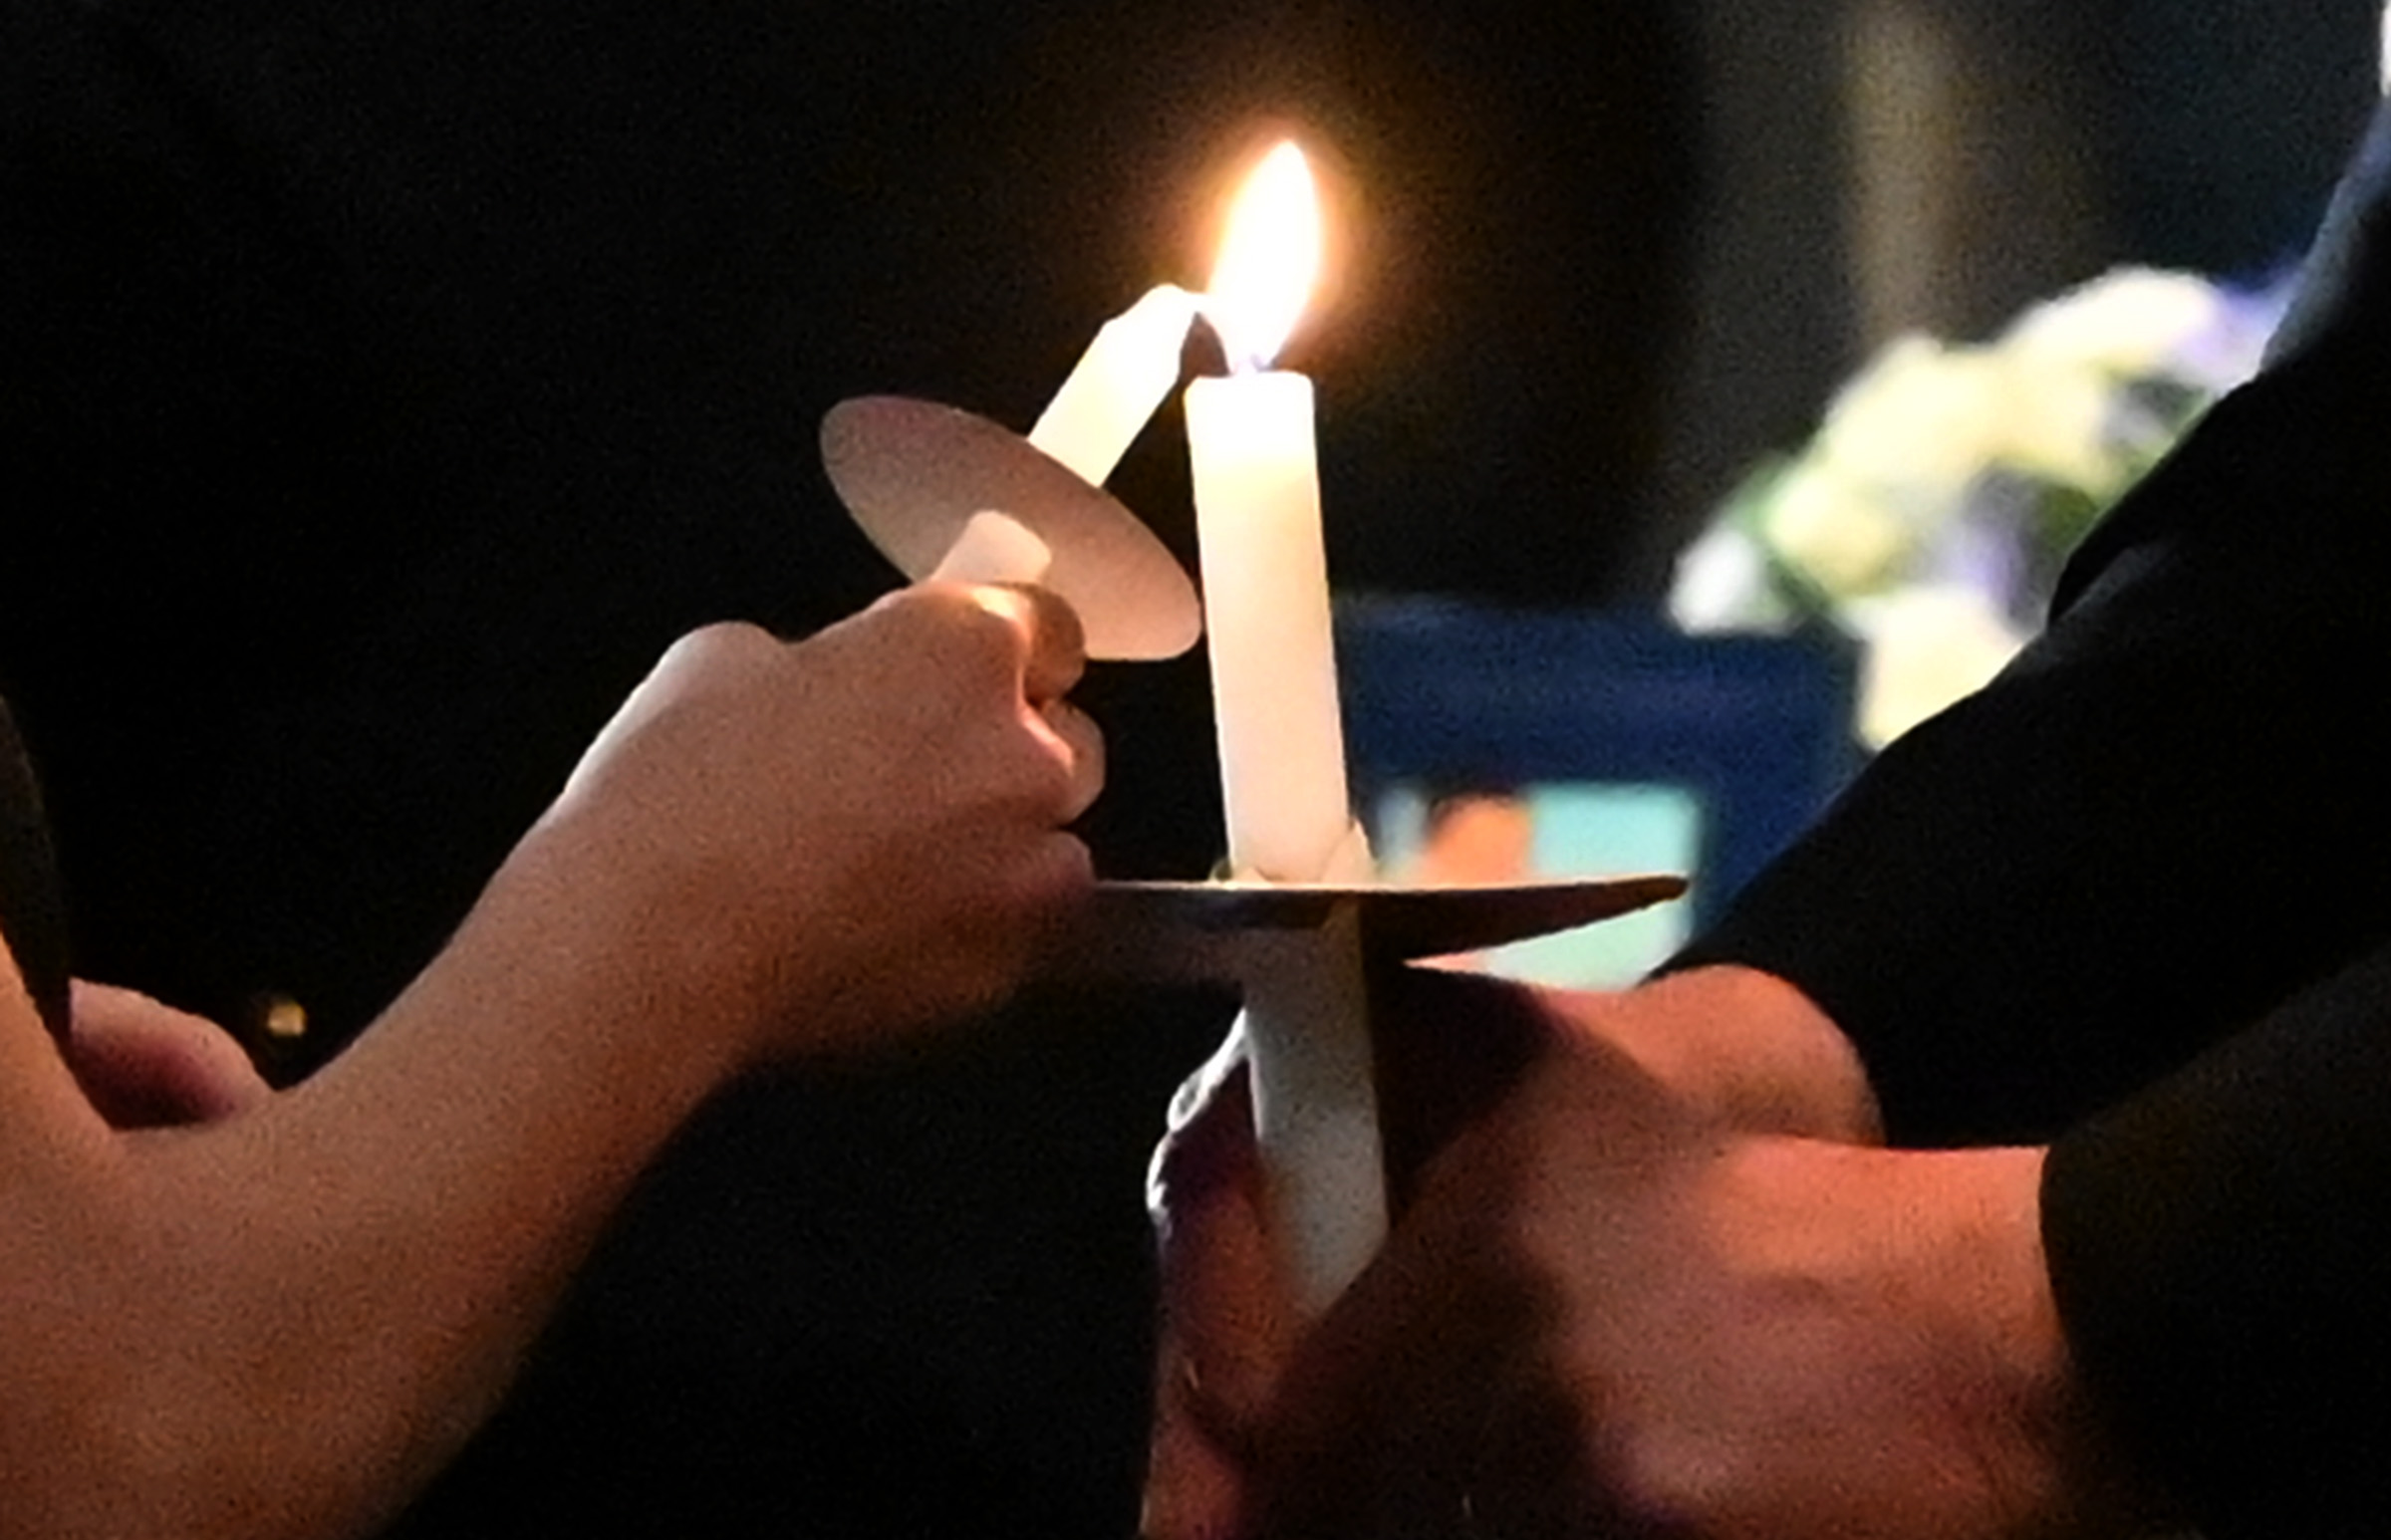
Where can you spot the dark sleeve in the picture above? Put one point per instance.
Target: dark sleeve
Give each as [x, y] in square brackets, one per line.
[2221, 1250]
[32, 919]
[2160, 820]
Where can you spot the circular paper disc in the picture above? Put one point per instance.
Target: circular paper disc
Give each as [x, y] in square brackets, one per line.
[915, 472]
[1145, 930]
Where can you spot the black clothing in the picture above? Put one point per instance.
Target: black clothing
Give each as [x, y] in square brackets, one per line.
[32, 918]
[2158, 850]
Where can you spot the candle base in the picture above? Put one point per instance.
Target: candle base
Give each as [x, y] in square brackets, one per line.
[1197, 933]
[1306, 1022]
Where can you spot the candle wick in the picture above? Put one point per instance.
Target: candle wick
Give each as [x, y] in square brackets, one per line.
[1234, 359]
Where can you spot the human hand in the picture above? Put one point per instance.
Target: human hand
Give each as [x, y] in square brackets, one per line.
[1731, 1045]
[853, 835]
[146, 1064]
[1229, 1326]
[1603, 1311]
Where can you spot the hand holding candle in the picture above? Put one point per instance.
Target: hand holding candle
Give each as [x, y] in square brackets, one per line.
[949, 495]
[946, 494]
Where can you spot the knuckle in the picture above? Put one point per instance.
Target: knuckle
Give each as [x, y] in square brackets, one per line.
[930, 607]
[1059, 627]
[986, 625]
[1072, 867]
[1057, 872]
[724, 644]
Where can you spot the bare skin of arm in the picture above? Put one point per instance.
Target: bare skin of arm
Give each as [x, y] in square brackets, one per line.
[279, 1322]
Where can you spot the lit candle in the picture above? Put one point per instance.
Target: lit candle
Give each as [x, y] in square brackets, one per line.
[1113, 390]
[1282, 754]
[1265, 577]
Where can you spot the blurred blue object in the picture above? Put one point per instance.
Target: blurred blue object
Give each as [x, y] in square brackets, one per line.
[1489, 744]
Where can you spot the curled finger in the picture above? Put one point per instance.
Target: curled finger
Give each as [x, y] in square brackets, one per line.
[1227, 1325]
[1081, 744]
[148, 1065]
[1058, 653]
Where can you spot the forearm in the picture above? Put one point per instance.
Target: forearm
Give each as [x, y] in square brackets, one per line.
[1936, 1253]
[280, 1324]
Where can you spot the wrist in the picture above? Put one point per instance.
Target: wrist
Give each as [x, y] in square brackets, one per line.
[1962, 1230]
[577, 928]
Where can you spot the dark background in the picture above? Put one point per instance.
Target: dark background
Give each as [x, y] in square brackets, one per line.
[444, 360]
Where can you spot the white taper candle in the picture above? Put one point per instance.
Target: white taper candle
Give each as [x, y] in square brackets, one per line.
[1116, 385]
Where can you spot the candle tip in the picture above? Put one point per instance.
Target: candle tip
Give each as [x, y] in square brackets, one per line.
[1269, 259]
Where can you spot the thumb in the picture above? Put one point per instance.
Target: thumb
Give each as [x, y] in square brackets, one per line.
[1228, 1325]
[1058, 653]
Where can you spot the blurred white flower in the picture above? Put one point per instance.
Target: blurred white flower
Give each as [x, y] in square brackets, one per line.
[2059, 424]
[1933, 507]
[1927, 648]
[1840, 534]
[1723, 584]
[2133, 321]
[1916, 426]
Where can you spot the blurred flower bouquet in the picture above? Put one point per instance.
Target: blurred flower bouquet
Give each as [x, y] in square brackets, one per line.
[1932, 512]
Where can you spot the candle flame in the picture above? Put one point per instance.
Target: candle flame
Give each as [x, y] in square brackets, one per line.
[1268, 260]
